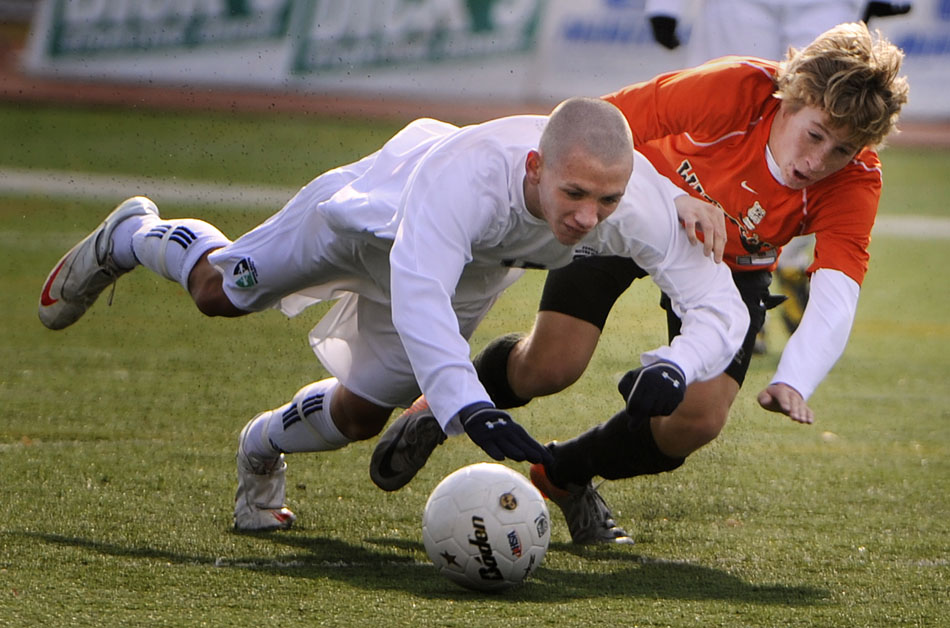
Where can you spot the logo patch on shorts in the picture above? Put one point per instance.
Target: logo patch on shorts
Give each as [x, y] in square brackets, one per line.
[245, 273]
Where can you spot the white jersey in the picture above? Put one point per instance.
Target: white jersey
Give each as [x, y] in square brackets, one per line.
[435, 223]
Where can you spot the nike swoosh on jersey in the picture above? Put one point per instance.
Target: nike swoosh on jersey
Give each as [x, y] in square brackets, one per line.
[745, 186]
[46, 299]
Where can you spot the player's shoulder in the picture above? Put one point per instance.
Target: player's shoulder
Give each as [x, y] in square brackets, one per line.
[743, 65]
[734, 91]
[864, 171]
[487, 150]
[867, 160]
[510, 129]
[501, 138]
[752, 74]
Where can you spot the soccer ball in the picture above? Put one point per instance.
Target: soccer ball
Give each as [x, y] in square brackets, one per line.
[486, 527]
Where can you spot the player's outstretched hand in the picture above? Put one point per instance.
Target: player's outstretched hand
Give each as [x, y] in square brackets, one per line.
[497, 433]
[885, 9]
[653, 390]
[664, 31]
[700, 216]
[779, 397]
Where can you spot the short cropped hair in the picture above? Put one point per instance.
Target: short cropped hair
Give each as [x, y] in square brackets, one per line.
[850, 75]
[592, 124]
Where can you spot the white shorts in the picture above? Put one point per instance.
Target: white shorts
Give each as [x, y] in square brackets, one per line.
[291, 251]
[294, 259]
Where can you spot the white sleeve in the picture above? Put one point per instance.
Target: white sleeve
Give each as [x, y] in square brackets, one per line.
[822, 334]
[704, 296]
[714, 318]
[445, 207]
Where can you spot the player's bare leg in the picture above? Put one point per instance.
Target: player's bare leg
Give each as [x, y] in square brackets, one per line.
[543, 363]
[698, 420]
[206, 287]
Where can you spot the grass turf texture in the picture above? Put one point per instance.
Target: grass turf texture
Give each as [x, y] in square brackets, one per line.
[117, 437]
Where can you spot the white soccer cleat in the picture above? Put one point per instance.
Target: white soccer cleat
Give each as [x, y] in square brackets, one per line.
[87, 269]
[259, 502]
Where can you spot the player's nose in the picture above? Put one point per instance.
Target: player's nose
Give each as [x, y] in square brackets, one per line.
[586, 216]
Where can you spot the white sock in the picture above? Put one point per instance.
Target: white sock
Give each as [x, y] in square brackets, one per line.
[171, 248]
[122, 239]
[304, 424]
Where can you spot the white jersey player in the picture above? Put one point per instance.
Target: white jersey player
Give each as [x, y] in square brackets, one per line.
[419, 239]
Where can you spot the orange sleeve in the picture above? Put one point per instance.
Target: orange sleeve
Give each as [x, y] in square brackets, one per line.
[707, 101]
[844, 216]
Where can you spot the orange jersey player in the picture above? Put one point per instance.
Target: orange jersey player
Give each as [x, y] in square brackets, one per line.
[720, 152]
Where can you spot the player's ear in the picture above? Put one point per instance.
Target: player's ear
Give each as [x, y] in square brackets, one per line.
[532, 166]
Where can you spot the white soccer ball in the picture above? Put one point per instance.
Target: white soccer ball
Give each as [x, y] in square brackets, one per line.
[486, 527]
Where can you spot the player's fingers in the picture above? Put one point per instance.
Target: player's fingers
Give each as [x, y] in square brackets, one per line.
[491, 448]
[523, 447]
[717, 234]
[709, 243]
[798, 416]
[718, 246]
[513, 451]
[691, 226]
[808, 415]
[536, 452]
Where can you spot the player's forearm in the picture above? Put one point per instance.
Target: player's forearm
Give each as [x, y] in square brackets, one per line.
[714, 323]
[709, 339]
[428, 327]
[823, 333]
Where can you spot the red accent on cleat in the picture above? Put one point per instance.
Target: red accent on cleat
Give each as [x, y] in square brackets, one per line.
[45, 299]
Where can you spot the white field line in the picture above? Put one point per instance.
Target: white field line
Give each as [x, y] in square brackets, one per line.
[110, 189]
[55, 185]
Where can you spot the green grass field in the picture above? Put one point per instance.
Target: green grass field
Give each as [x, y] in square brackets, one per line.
[117, 436]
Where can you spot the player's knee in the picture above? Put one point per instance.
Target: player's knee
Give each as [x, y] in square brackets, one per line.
[707, 429]
[553, 356]
[549, 377]
[702, 425]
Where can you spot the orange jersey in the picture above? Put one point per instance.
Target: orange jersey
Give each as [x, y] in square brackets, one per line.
[707, 129]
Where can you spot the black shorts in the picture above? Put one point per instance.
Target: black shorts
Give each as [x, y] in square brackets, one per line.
[588, 287]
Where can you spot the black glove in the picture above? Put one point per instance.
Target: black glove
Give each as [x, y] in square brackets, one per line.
[884, 9]
[664, 31]
[653, 390]
[497, 433]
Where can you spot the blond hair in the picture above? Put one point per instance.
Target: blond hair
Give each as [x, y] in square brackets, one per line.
[852, 77]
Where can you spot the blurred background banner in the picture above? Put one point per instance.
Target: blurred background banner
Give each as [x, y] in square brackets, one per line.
[503, 51]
